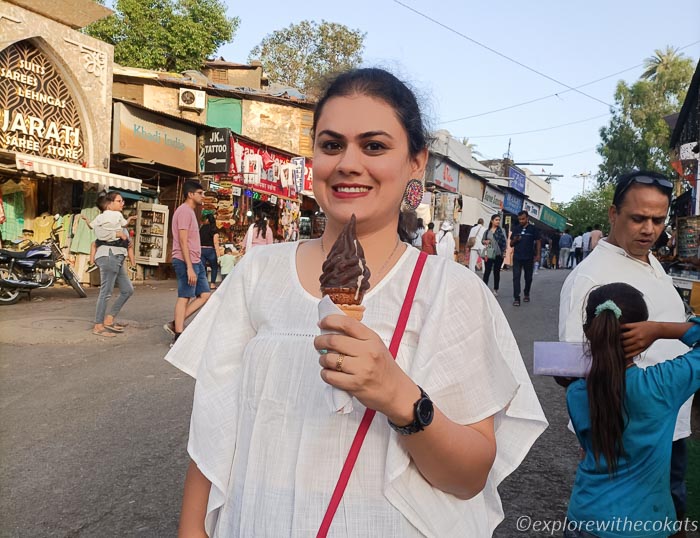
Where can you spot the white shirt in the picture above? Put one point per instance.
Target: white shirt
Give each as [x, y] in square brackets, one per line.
[445, 244]
[607, 264]
[478, 233]
[262, 431]
[107, 224]
[578, 242]
[586, 241]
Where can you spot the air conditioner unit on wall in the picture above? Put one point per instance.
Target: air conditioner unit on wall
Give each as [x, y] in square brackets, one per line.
[192, 99]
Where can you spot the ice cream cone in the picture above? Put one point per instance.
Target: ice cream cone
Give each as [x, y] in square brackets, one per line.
[353, 310]
[343, 296]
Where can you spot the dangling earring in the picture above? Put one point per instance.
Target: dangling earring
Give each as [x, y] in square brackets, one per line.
[413, 195]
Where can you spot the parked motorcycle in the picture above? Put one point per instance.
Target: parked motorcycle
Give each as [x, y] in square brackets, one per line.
[35, 267]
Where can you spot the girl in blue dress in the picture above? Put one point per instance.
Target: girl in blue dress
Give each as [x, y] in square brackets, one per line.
[624, 418]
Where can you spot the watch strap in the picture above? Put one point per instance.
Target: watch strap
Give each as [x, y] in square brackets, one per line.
[415, 426]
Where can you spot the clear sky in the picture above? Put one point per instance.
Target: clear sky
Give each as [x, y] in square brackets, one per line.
[572, 42]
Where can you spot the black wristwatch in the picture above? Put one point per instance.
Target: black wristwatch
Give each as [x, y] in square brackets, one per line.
[422, 416]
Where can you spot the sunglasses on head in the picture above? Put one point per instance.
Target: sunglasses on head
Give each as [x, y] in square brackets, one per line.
[642, 180]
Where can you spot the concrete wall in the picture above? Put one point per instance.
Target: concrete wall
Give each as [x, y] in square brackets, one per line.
[277, 125]
[166, 99]
[239, 78]
[84, 63]
[538, 190]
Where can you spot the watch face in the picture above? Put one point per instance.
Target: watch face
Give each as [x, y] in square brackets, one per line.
[425, 412]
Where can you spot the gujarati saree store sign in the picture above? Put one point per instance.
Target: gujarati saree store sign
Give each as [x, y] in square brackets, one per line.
[38, 115]
[139, 133]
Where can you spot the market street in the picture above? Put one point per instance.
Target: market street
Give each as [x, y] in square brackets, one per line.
[94, 430]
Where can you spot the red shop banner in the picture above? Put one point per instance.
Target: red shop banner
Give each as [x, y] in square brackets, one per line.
[267, 171]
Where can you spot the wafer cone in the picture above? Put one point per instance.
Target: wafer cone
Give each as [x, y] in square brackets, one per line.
[343, 296]
[347, 299]
[355, 311]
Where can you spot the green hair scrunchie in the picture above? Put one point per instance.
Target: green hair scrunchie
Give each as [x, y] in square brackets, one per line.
[608, 305]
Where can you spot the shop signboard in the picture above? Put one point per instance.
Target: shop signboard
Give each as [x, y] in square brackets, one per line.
[470, 186]
[266, 171]
[532, 209]
[446, 176]
[512, 203]
[517, 179]
[298, 172]
[148, 136]
[494, 198]
[553, 219]
[38, 114]
[215, 152]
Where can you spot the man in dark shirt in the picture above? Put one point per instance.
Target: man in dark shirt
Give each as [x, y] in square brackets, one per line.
[526, 244]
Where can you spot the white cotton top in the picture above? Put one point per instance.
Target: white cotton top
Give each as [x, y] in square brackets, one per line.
[107, 224]
[445, 244]
[261, 430]
[606, 264]
[477, 232]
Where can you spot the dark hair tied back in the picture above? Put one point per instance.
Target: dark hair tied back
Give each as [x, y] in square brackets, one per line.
[606, 381]
[382, 85]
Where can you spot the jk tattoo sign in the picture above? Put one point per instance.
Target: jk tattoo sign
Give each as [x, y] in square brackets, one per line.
[215, 152]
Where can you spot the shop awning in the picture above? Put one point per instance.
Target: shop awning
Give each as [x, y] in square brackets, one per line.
[49, 167]
[473, 210]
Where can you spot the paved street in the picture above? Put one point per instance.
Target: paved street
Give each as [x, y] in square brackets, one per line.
[94, 431]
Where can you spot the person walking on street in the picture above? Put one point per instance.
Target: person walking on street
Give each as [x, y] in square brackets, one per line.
[475, 244]
[420, 230]
[259, 233]
[227, 261]
[586, 241]
[209, 239]
[192, 287]
[578, 249]
[596, 235]
[446, 241]
[110, 260]
[527, 247]
[637, 217]
[495, 240]
[427, 240]
[565, 243]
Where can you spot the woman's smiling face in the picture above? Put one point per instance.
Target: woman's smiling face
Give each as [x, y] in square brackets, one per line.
[362, 161]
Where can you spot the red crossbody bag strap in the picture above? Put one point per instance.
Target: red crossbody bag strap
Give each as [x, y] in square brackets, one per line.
[369, 413]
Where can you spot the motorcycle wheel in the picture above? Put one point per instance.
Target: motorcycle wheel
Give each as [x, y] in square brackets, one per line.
[69, 275]
[8, 296]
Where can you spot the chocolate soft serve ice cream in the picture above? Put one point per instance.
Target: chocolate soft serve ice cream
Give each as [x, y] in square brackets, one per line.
[345, 276]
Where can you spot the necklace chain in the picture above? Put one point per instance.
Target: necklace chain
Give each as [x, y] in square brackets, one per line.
[386, 262]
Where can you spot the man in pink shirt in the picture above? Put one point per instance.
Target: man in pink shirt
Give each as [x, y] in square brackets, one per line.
[192, 286]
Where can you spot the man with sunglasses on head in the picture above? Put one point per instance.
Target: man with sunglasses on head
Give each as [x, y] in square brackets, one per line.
[637, 217]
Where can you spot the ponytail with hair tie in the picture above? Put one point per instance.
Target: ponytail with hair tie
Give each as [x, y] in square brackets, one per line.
[608, 305]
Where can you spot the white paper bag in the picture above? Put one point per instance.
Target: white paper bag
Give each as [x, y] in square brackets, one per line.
[338, 400]
[565, 359]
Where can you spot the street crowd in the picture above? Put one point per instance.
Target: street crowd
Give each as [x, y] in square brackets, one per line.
[280, 393]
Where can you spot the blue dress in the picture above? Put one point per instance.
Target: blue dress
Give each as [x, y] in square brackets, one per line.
[636, 501]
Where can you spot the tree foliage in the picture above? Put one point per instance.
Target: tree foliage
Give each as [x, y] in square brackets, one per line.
[589, 208]
[637, 135]
[303, 54]
[168, 35]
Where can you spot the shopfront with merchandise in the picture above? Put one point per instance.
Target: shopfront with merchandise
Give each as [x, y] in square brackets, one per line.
[55, 119]
[255, 181]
